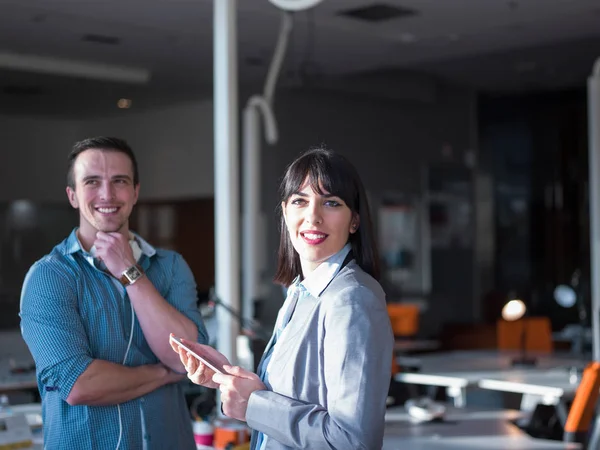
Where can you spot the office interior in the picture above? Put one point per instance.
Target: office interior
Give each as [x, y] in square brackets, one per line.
[470, 123]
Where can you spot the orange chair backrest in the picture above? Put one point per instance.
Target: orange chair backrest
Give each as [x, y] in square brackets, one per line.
[404, 318]
[584, 404]
[395, 366]
[538, 337]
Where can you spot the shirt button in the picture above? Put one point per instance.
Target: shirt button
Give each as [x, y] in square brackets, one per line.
[147, 437]
[142, 399]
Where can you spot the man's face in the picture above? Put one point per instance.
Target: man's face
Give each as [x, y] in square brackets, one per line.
[104, 192]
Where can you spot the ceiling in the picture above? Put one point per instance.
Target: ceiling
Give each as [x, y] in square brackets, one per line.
[492, 45]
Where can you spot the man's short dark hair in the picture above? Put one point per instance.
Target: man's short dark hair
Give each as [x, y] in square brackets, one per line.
[103, 143]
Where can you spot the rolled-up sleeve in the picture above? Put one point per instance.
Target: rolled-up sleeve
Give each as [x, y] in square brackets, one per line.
[183, 296]
[52, 328]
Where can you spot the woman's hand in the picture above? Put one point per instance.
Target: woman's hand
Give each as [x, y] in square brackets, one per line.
[198, 372]
[236, 387]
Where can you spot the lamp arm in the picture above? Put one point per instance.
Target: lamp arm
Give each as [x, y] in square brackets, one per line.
[278, 56]
[251, 327]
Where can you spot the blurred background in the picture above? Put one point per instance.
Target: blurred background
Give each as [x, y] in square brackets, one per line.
[467, 120]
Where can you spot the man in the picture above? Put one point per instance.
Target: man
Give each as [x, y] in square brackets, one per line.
[96, 314]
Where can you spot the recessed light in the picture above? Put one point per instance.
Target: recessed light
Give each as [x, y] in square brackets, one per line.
[124, 103]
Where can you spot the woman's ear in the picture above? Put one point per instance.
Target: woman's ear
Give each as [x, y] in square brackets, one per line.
[354, 223]
[284, 212]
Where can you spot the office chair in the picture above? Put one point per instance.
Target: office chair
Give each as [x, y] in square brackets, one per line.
[404, 319]
[579, 420]
[534, 333]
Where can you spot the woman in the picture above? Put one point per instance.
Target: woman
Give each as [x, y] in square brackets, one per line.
[324, 376]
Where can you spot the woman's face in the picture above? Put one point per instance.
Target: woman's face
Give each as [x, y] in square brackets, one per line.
[318, 225]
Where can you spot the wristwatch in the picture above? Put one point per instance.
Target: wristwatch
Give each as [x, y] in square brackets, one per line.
[131, 275]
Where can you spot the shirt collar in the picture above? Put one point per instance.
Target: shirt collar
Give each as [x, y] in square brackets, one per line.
[319, 278]
[73, 245]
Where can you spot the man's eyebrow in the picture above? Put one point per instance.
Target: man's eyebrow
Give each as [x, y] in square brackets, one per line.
[114, 177]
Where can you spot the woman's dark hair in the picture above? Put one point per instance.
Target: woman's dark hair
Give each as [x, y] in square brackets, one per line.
[104, 143]
[331, 172]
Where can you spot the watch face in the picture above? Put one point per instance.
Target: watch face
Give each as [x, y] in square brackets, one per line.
[133, 274]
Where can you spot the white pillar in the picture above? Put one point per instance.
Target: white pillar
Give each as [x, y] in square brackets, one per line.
[252, 241]
[227, 252]
[594, 186]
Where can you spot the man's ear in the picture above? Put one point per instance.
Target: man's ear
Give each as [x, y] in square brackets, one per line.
[137, 193]
[72, 197]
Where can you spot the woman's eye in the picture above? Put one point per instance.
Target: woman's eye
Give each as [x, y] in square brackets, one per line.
[297, 201]
[332, 203]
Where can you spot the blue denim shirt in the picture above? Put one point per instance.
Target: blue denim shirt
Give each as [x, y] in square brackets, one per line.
[73, 313]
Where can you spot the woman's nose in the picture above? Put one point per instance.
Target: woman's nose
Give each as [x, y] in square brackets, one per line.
[314, 215]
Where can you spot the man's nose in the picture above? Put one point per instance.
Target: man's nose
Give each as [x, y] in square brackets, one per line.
[107, 191]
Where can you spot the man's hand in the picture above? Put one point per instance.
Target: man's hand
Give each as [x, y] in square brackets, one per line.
[114, 250]
[173, 377]
[236, 387]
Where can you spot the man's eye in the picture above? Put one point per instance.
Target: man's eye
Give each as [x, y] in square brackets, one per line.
[91, 182]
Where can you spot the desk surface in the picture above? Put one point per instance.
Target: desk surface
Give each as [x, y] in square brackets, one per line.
[555, 382]
[464, 429]
[463, 368]
[514, 442]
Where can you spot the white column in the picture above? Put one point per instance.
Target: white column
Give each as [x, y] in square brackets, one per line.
[227, 252]
[594, 186]
[252, 241]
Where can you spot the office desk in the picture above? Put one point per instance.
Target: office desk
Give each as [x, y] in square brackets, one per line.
[553, 387]
[457, 371]
[463, 429]
[33, 413]
[511, 442]
[15, 381]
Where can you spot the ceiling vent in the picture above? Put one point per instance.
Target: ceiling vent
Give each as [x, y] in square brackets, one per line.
[378, 12]
[101, 39]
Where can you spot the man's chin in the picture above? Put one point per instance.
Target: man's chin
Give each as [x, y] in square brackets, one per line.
[109, 228]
